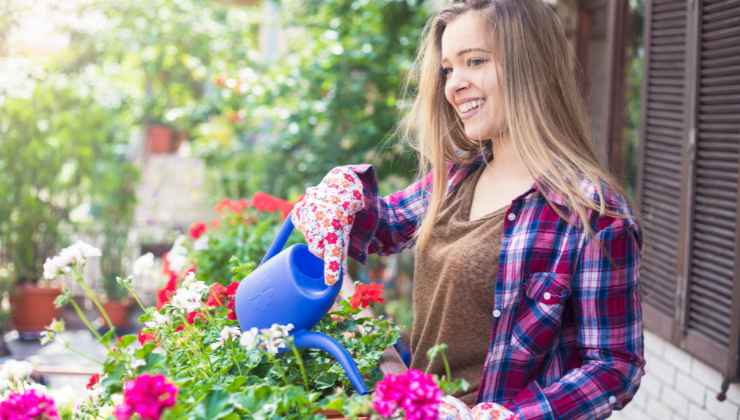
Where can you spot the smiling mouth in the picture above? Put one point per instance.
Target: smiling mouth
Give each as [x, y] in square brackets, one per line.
[469, 109]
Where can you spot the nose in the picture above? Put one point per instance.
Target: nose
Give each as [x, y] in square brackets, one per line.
[458, 81]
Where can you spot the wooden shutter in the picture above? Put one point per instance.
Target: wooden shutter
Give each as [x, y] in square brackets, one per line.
[688, 189]
[711, 323]
[660, 178]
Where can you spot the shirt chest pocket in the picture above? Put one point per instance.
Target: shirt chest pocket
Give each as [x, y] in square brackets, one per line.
[539, 314]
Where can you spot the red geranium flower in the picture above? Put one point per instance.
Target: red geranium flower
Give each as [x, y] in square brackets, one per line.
[192, 316]
[217, 295]
[197, 229]
[231, 297]
[365, 294]
[234, 206]
[144, 337]
[231, 289]
[165, 294]
[93, 380]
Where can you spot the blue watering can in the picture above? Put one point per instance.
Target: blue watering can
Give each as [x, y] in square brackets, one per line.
[288, 288]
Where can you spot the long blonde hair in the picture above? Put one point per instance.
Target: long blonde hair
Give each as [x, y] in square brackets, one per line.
[544, 112]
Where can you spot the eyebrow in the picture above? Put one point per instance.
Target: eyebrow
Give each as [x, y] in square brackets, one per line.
[468, 50]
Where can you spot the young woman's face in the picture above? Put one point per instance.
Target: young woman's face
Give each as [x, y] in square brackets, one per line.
[472, 83]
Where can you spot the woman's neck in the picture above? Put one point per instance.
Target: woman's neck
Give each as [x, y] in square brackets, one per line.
[506, 161]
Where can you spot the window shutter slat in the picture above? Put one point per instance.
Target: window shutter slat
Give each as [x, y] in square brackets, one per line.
[660, 182]
[712, 295]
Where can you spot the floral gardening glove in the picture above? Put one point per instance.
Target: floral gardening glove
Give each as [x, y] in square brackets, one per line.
[492, 411]
[451, 408]
[325, 216]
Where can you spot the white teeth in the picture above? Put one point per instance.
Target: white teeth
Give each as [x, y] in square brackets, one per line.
[468, 106]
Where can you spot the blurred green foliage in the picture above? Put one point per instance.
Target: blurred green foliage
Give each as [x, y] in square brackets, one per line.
[331, 97]
[62, 156]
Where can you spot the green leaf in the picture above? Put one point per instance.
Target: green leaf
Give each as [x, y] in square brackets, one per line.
[126, 340]
[215, 406]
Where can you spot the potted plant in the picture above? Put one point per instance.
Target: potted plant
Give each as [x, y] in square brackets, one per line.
[57, 144]
[115, 200]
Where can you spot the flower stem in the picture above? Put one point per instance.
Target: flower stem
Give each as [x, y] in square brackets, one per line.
[238, 365]
[85, 321]
[448, 373]
[91, 295]
[299, 359]
[79, 353]
[136, 298]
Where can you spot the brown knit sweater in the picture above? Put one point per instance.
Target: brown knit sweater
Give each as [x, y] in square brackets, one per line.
[453, 288]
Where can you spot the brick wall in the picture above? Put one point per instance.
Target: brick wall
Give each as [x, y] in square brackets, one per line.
[678, 386]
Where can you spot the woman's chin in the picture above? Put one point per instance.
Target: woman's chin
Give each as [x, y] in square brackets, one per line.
[476, 134]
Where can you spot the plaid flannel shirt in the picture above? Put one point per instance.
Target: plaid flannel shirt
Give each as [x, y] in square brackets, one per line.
[566, 330]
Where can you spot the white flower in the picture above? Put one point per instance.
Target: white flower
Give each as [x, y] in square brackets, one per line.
[189, 296]
[143, 265]
[158, 319]
[274, 338]
[178, 255]
[201, 243]
[15, 370]
[75, 254]
[228, 333]
[249, 339]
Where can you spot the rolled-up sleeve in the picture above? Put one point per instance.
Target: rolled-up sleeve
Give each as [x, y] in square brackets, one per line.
[387, 224]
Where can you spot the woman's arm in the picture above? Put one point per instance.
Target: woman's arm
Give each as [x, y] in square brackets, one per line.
[610, 341]
[386, 225]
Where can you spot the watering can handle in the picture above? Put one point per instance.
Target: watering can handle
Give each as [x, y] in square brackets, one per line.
[279, 243]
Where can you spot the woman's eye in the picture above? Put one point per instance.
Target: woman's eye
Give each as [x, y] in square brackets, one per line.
[445, 71]
[476, 61]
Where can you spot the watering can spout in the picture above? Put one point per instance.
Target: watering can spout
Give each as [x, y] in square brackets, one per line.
[308, 339]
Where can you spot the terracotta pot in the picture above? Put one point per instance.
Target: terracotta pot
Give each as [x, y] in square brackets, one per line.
[118, 312]
[336, 415]
[160, 139]
[32, 309]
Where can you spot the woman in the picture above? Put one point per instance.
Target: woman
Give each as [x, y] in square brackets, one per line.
[526, 249]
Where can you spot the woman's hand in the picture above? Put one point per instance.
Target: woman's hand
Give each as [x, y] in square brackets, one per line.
[492, 411]
[452, 408]
[325, 216]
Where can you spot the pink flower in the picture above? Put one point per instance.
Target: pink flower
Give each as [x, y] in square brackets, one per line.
[413, 391]
[331, 237]
[28, 405]
[148, 396]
